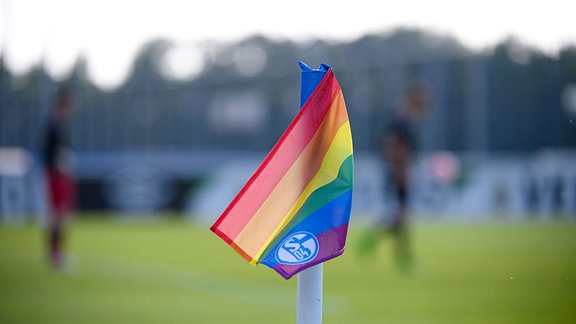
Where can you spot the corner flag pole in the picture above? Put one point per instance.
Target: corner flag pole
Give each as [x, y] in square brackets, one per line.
[309, 298]
[309, 290]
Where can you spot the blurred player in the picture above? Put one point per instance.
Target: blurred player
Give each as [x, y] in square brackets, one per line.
[397, 145]
[60, 184]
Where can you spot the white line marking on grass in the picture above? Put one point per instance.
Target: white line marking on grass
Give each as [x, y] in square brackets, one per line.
[187, 279]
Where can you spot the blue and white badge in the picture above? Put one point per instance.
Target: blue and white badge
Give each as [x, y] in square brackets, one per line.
[298, 248]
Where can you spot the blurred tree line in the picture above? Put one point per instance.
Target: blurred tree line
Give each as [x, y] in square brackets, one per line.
[244, 94]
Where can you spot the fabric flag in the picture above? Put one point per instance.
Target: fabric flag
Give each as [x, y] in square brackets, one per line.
[293, 212]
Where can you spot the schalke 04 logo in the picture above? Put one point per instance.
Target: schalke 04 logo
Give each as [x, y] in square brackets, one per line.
[298, 248]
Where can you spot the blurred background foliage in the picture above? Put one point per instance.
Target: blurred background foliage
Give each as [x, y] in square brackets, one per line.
[190, 122]
[241, 95]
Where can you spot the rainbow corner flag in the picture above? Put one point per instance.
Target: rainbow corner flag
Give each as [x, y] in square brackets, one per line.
[293, 212]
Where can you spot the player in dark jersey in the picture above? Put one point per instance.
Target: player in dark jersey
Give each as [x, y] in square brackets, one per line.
[59, 180]
[398, 146]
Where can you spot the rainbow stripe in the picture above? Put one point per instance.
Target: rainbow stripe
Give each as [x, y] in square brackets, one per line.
[293, 212]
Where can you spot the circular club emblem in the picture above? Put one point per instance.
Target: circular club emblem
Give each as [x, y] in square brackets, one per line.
[298, 248]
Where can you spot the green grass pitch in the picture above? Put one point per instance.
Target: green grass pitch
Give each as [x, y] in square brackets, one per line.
[170, 271]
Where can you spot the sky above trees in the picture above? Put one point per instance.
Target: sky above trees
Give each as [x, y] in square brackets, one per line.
[110, 33]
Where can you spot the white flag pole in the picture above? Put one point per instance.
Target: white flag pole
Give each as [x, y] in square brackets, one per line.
[309, 296]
